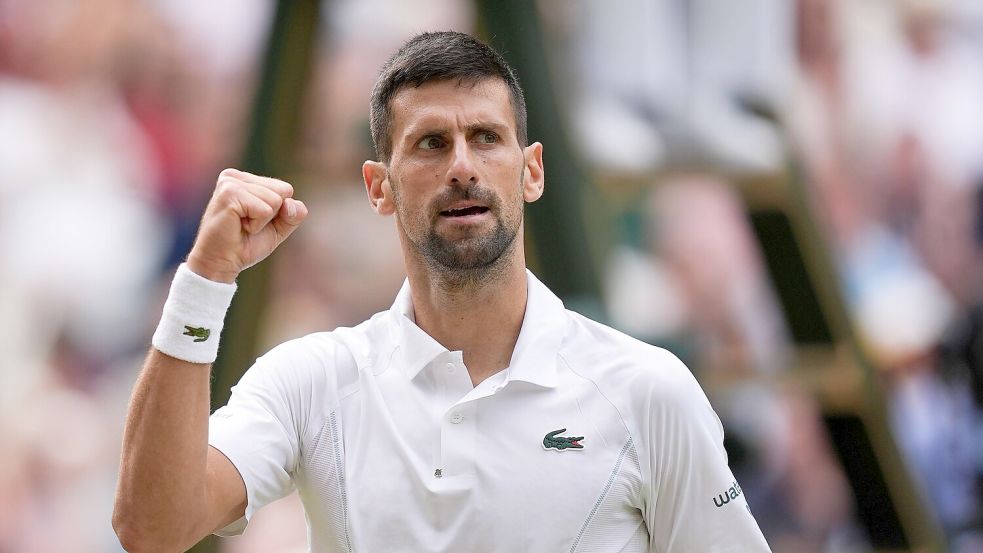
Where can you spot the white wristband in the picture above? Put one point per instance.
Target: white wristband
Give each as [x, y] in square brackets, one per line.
[193, 316]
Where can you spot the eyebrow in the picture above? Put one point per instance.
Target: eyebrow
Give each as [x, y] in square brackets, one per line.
[477, 127]
[471, 128]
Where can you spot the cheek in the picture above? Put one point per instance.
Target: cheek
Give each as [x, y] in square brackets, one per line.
[410, 203]
[501, 156]
[501, 164]
[416, 177]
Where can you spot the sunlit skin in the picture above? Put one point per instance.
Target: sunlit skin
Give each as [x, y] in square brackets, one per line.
[456, 183]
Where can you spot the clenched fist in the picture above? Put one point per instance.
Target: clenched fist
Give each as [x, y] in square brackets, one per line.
[247, 217]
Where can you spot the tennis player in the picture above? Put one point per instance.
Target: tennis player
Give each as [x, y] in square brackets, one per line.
[475, 415]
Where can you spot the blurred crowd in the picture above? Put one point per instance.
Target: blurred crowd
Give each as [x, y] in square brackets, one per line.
[116, 116]
[874, 108]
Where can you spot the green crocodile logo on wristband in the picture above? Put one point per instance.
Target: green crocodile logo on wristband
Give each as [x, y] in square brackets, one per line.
[198, 333]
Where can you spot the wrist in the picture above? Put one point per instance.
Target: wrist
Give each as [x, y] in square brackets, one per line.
[210, 271]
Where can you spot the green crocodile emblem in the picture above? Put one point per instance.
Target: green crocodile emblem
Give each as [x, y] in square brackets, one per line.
[561, 443]
[198, 333]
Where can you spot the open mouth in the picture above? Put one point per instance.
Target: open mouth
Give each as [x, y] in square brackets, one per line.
[464, 211]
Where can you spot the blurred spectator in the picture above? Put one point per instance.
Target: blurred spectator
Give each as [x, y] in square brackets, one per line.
[681, 82]
[699, 228]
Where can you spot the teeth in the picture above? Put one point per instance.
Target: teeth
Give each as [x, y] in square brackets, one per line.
[462, 211]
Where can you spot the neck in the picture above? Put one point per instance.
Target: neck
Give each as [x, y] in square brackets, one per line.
[479, 315]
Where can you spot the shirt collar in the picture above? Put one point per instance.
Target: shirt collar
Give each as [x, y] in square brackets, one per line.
[533, 358]
[416, 348]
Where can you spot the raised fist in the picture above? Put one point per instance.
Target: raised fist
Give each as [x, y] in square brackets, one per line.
[247, 217]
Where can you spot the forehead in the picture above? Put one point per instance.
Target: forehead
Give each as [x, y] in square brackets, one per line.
[448, 102]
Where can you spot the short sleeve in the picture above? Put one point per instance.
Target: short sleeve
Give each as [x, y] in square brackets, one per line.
[259, 431]
[693, 502]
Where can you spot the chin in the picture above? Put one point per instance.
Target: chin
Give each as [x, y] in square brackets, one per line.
[469, 261]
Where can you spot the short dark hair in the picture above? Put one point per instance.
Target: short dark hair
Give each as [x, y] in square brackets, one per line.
[432, 57]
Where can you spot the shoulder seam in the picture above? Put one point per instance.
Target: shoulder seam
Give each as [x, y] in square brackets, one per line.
[646, 478]
[621, 415]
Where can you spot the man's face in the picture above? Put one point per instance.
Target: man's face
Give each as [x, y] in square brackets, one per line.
[457, 174]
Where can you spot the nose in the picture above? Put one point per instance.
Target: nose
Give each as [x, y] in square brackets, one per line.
[462, 168]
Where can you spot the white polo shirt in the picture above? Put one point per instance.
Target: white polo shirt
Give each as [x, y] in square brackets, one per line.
[589, 441]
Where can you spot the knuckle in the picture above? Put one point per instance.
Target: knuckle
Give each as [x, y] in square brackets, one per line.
[265, 210]
[279, 187]
[227, 172]
[225, 190]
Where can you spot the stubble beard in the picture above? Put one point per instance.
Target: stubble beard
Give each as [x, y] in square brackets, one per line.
[474, 255]
[472, 260]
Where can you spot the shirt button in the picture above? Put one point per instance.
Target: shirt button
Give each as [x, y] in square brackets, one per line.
[450, 367]
[456, 418]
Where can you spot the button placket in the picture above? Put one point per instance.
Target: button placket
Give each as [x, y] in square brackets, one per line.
[443, 371]
[453, 420]
[458, 440]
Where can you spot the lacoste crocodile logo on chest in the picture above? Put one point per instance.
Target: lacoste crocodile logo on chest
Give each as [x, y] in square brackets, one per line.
[553, 440]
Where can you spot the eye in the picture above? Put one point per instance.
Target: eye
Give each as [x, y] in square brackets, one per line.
[487, 137]
[430, 143]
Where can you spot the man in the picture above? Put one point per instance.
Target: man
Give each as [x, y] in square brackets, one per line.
[477, 414]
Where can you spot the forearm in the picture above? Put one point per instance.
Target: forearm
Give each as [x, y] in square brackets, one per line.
[161, 496]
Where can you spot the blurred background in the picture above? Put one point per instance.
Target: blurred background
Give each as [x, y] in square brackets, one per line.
[785, 193]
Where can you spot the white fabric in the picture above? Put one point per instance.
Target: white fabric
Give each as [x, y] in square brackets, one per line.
[360, 420]
[193, 316]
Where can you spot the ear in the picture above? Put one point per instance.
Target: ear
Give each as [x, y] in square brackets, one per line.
[376, 178]
[533, 176]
